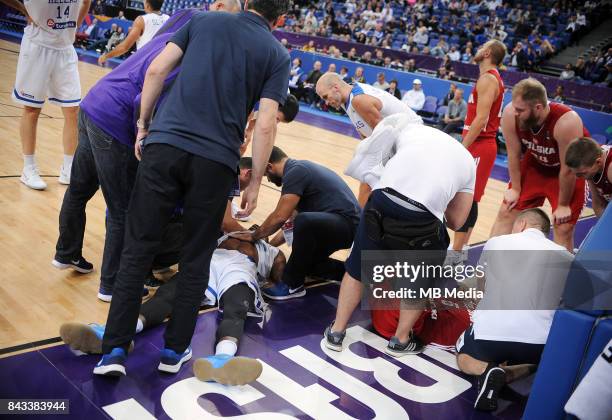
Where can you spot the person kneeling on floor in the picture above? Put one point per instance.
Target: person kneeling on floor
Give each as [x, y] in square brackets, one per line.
[524, 278]
[234, 271]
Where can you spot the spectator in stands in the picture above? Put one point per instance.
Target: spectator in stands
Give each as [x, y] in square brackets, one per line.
[513, 337]
[455, 114]
[99, 8]
[415, 97]
[121, 15]
[532, 58]
[453, 54]
[443, 74]
[100, 44]
[352, 55]
[309, 47]
[425, 51]
[394, 90]
[295, 74]
[350, 7]
[410, 65]
[366, 58]
[573, 30]
[467, 56]
[568, 73]
[440, 49]
[358, 76]
[450, 94]
[87, 32]
[144, 28]
[518, 57]
[114, 40]
[380, 82]
[579, 68]
[331, 68]
[307, 93]
[558, 96]
[421, 37]
[344, 74]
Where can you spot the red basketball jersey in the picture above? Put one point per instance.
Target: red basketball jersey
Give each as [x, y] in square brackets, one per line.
[602, 183]
[490, 130]
[542, 145]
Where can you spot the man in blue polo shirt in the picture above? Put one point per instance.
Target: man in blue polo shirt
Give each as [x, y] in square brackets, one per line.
[190, 152]
[326, 221]
[104, 157]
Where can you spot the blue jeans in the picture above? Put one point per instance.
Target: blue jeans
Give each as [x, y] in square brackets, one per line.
[99, 161]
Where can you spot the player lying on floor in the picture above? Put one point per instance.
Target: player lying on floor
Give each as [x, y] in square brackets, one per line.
[233, 286]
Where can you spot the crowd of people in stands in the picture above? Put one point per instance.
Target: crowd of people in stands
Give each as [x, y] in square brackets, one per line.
[597, 68]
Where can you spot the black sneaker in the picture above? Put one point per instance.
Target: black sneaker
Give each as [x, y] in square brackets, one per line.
[151, 281]
[489, 384]
[396, 348]
[333, 340]
[79, 264]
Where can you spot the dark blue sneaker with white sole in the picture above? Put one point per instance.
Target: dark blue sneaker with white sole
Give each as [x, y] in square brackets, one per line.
[106, 295]
[112, 364]
[281, 291]
[171, 361]
[78, 264]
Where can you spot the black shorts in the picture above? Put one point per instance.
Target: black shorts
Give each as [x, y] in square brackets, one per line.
[513, 352]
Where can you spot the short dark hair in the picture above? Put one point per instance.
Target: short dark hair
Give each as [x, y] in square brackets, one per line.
[269, 9]
[245, 163]
[582, 151]
[277, 155]
[538, 216]
[156, 4]
[290, 108]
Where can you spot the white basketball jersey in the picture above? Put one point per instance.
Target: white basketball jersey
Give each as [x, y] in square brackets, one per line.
[152, 23]
[54, 22]
[390, 105]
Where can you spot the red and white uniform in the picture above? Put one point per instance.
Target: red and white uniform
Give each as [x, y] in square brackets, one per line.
[602, 183]
[540, 166]
[484, 148]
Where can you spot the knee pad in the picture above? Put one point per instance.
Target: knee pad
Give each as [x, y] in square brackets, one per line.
[471, 219]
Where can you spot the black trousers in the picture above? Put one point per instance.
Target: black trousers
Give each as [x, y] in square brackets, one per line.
[317, 235]
[236, 302]
[166, 175]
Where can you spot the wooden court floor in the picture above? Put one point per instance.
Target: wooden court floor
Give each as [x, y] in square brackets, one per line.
[35, 298]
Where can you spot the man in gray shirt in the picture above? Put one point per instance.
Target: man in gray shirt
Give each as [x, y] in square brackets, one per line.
[455, 115]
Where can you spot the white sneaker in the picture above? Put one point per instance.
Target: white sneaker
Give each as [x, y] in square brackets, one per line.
[31, 178]
[64, 176]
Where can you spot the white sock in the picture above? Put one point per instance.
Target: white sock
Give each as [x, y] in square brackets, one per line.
[139, 326]
[226, 347]
[68, 160]
[28, 160]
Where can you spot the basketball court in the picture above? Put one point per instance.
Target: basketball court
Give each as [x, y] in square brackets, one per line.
[300, 378]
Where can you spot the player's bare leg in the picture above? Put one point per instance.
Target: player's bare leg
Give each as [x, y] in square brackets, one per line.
[564, 235]
[504, 221]
[69, 138]
[27, 132]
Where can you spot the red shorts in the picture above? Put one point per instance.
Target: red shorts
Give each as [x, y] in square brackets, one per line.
[539, 182]
[484, 152]
[442, 329]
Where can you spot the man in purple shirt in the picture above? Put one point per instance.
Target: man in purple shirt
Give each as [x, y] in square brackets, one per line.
[105, 155]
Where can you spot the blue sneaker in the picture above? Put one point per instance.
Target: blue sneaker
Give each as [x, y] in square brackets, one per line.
[227, 370]
[281, 291]
[112, 364]
[171, 361]
[106, 295]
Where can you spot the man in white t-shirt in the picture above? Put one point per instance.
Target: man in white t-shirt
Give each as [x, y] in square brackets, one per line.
[415, 97]
[524, 274]
[48, 69]
[411, 198]
[365, 105]
[145, 27]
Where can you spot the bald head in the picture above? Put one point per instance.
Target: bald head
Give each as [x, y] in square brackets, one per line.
[332, 89]
[230, 6]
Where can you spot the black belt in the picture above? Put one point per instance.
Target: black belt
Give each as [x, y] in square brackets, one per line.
[394, 193]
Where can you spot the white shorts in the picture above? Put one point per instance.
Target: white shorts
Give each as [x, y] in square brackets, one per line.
[229, 268]
[46, 73]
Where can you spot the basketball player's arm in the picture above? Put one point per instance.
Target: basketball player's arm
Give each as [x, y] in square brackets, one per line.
[17, 5]
[83, 12]
[278, 266]
[263, 140]
[368, 108]
[230, 224]
[598, 202]
[567, 128]
[284, 210]
[487, 89]
[127, 43]
[157, 72]
[248, 133]
[513, 147]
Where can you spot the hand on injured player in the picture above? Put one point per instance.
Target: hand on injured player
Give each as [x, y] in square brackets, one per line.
[373, 153]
